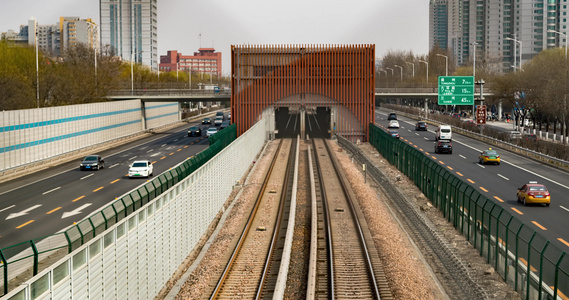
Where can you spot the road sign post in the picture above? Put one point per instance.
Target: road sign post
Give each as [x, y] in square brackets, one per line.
[481, 114]
[456, 90]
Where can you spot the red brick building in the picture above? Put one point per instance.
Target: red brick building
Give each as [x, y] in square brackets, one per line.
[206, 60]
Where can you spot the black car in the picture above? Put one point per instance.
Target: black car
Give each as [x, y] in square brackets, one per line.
[394, 133]
[194, 131]
[392, 116]
[206, 121]
[224, 124]
[92, 162]
[443, 146]
[421, 126]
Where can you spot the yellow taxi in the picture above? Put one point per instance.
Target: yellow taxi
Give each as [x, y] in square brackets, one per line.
[533, 192]
[489, 156]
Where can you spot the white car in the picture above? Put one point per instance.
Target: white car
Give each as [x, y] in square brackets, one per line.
[211, 131]
[393, 124]
[140, 168]
[218, 121]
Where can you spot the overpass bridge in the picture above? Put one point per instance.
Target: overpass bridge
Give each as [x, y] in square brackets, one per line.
[195, 95]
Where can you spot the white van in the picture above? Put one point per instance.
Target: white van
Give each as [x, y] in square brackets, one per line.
[444, 132]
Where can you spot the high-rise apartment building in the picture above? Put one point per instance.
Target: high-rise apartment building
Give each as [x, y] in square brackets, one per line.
[205, 61]
[55, 39]
[501, 31]
[129, 27]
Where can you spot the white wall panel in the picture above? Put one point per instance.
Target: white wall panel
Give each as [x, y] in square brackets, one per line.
[51, 131]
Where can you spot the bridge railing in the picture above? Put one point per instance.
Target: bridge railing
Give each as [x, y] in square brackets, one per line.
[531, 264]
[170, 92]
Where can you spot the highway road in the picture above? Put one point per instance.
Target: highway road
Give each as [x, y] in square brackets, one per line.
[499, 182]
[45, 202]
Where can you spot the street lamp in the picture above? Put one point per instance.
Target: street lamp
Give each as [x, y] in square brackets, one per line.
[391, 71]
[426, 63]
[565, 92]
[446, 63]
[517, 41]
[37, 68]
[474, 60]
[401, 68]
[413, 65]
[132, 71]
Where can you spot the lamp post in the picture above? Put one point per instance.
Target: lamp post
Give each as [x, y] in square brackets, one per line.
[391, 71]
[426, 63]
[177, 67]
[517, 41]
[474, 60]
[132, 71]
[412, 65]
[37, 68]
[446, 63]
[565, 92]
[401, 68]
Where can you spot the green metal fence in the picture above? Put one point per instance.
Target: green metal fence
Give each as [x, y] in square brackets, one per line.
[532, 265]
[21, 262]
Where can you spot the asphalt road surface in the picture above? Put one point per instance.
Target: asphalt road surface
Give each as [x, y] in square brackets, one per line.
[499, 182]
[48, 201]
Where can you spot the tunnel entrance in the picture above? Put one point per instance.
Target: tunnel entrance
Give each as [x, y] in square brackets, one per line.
[313, 121]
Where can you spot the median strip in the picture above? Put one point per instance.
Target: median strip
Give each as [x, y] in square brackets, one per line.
[54, 210]
[25, 224]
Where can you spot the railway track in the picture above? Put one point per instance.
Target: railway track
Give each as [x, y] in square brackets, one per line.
[353, 269]
[253, 267]
[344, 262]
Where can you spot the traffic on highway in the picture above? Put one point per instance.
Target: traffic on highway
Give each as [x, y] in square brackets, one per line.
[502, 176]
[46, 202]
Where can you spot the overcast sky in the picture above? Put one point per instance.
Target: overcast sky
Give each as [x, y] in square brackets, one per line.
[389, 24]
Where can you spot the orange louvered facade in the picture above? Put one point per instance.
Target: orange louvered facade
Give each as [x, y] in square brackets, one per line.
[339, 77]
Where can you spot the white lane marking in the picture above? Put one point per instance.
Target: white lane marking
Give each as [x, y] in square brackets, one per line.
[113, 166]
[163, 145]
[3, 209]
[75, 211]
[155, 154]
[409, 130]
[143, 147]
[565, 208]
[521, 168]
[426, 138]
[415, 133]
[86, 176]
[483, 167]
[462, 156]
[503, 176]
[125, 155]
[55, 189]
[133, 157]
[175, 140]
[149, 151]
[23, 212]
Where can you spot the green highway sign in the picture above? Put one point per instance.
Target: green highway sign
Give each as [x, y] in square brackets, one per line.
[456, 90]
